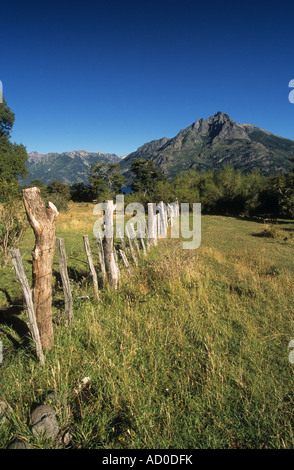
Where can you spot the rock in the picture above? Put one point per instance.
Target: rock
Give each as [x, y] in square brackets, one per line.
[44, 422]
[5, 410]
[67, 438]
[18, 444]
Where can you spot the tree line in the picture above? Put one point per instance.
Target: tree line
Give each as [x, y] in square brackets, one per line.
[226, 191]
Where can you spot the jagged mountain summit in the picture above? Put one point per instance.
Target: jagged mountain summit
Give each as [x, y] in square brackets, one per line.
[67, 167]
[215, 142]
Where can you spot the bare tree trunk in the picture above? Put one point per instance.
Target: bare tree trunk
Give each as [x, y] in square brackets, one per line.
[42, 220]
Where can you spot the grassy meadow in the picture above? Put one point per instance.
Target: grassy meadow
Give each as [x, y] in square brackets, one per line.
[190, 352]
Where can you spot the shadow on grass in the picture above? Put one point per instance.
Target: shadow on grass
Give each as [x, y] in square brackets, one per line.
[9, 317]
[74, 274]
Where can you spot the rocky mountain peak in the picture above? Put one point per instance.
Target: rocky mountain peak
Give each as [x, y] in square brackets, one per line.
[214, 142]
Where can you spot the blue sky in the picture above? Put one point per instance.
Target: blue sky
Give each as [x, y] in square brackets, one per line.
[111, 75]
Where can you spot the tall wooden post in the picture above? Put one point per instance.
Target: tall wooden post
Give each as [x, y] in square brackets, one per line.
[20, 273]
[108, 246]
[42, 220]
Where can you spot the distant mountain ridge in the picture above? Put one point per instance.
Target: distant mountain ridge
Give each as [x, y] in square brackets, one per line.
[207, 144]
[214, 142]
[66, 167]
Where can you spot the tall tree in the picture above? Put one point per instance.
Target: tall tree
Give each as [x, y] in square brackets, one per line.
[106, 178]
[13, 157]
[147, 175]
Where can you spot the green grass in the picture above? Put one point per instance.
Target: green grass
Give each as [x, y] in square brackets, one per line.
[190, 352]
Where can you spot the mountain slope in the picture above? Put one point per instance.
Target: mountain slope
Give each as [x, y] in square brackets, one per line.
[214, 142]
[67, 167]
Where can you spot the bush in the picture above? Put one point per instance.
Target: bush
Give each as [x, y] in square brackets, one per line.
[13, 220]
[274, 231]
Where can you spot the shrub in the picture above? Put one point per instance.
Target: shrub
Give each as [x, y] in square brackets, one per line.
[13, 220]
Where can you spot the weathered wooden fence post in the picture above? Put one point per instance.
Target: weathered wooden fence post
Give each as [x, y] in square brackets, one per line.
[141, 236]
[20, 274]
[101, 257]
[152, 224]
[91, 266]
[108, 245]
[123, 245]
[135, 240]
[42, 220]
[116, 261]
[65, 281]
[122, 251]
[125, 260]
[158, 224]
[131, 248]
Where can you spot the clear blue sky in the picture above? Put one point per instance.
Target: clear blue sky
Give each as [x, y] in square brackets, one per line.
[111, 75]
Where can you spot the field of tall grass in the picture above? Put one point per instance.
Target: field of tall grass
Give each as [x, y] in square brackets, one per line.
[190, 352]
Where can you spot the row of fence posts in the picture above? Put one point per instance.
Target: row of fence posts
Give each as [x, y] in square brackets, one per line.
[160, 216]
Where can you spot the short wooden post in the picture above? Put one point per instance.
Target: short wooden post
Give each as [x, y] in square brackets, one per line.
[141, 235]
[147, 239]
[131, 248]
[143, 246]
[158, 225]
[152, 227]
[125, 260]
[122, 240]
[163, 217]
[123, 249]
[108, 245]
[116, 261]
[101, 257]
[65, 281]
[21, 276]
[42, 220]
[91, 266]
[135, 240]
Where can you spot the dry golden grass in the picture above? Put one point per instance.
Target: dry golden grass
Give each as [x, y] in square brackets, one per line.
[190, 352]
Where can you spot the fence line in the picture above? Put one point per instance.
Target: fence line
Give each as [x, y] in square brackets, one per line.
[159, 218]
